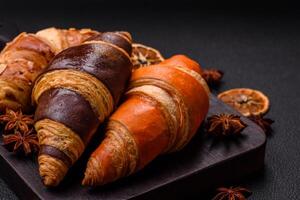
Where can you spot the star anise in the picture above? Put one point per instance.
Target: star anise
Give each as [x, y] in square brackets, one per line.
[16, 121]
[264, 123]
[212, 76]
[18, 142]
[224, 125]
[232, 193]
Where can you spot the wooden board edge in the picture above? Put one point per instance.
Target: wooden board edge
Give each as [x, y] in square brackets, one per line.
[201, 183]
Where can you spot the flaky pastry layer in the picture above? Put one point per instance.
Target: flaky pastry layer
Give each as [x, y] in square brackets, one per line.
[119, 157]
[13, 94]
[57, 135]
[169, 107]
[88, 86]
[182, 116]
[60, 39]
[51, 170]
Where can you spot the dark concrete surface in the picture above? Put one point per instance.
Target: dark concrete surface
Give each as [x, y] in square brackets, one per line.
[255, 49]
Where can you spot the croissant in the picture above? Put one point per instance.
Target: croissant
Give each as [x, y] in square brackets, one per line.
[77, 91]
[162, 111]
[23, 59]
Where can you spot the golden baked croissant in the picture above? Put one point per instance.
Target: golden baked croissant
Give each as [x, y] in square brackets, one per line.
[77, 91]
[23, 59]
[163, 108]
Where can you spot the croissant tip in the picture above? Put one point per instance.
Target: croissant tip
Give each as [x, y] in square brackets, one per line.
[86, 181]
[88, 177]
[52, 170]
[49, 182]
[92, 175]
[89, 180]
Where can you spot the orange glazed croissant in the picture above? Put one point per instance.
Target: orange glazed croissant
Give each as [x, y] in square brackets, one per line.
[163, 108]
[77, 91]
[23, 59]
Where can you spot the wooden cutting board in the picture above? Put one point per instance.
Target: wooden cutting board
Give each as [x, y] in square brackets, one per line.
[204, 164]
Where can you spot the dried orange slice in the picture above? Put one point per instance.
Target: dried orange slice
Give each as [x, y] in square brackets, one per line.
[143, 56]
[246, 101]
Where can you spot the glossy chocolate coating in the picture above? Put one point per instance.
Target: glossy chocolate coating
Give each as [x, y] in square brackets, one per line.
[115, 39]
[56, 153]
[69, 108]
[108, 64]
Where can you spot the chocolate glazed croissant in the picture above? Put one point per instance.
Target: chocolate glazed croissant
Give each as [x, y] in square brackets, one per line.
[163, 109]
[78, 90]
[23, 59]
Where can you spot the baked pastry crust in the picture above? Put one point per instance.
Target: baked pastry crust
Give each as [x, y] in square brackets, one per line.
[162, 110]
[78, 90]
[24, 58]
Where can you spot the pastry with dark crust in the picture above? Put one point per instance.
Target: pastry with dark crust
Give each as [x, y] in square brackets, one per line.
[78, 90]
[23, 59]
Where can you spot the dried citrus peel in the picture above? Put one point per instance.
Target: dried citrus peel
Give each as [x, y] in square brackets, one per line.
[143, 56]
[246, 101]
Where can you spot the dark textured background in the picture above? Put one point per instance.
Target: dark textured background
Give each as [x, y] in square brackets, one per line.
[256, 48]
